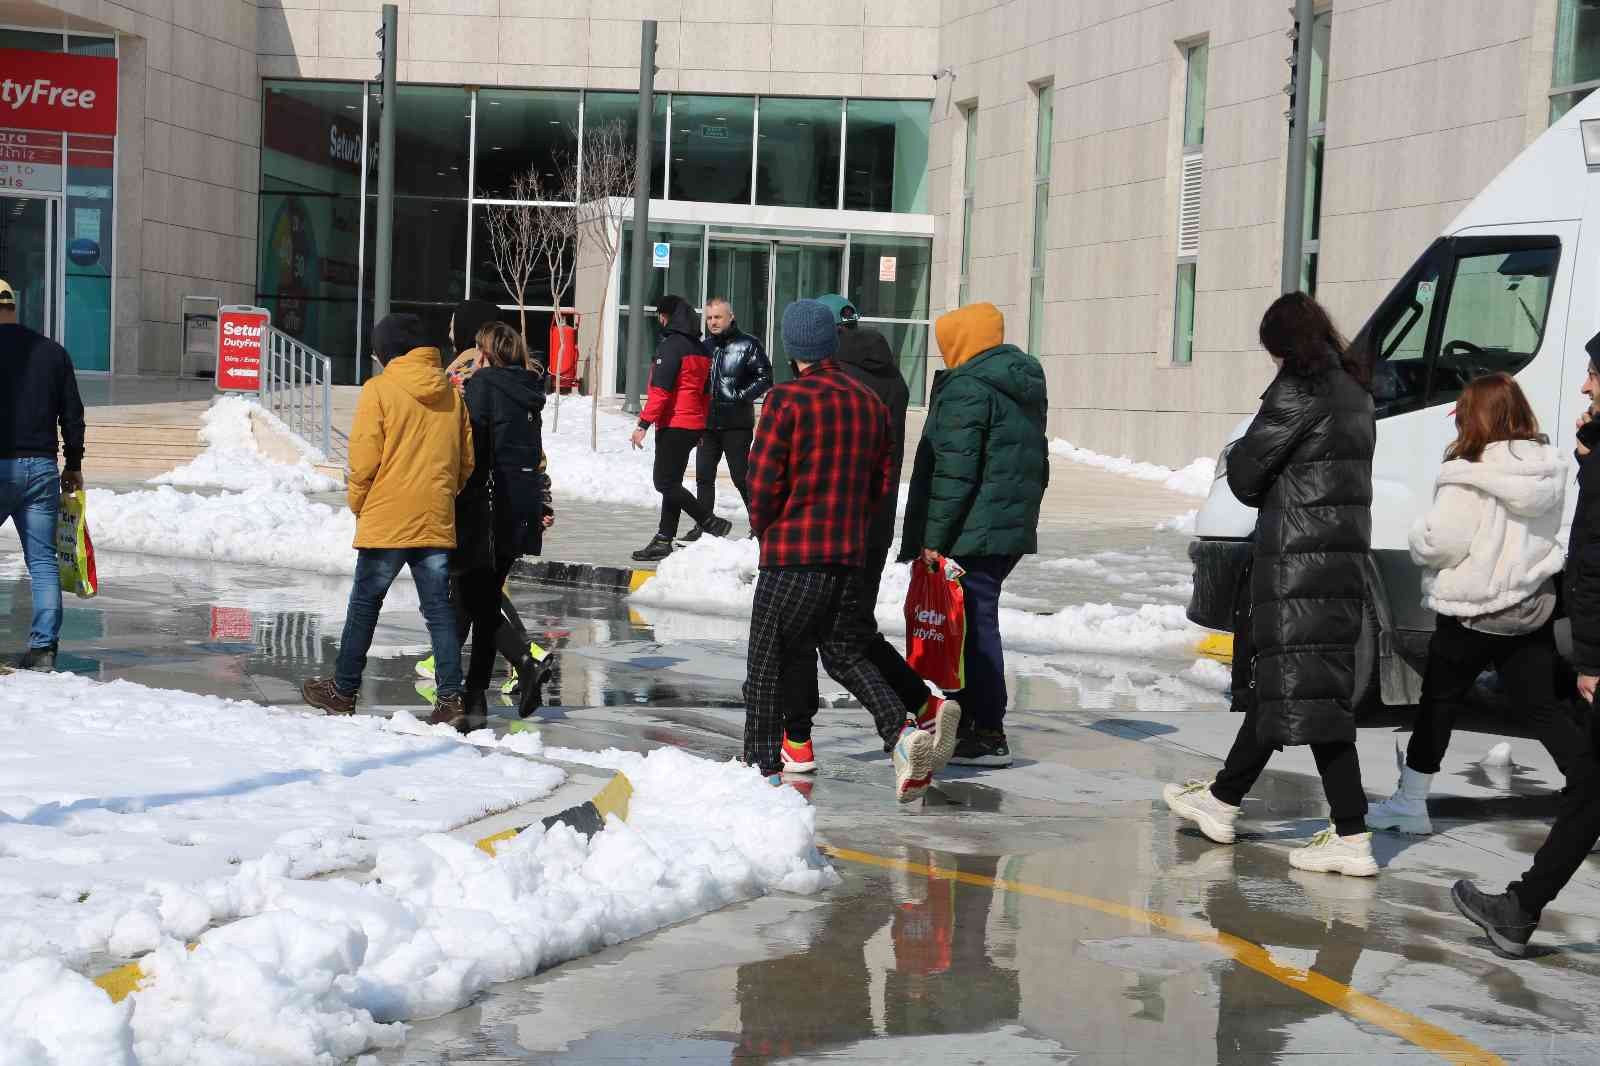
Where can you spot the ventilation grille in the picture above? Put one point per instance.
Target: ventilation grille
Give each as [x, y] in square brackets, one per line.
[1189, 205]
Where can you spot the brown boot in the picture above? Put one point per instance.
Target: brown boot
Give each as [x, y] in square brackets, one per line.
[450, 711]
[324, 695]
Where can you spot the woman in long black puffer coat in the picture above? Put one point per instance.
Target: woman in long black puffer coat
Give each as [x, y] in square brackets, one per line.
[1306, 463]
[502, 511]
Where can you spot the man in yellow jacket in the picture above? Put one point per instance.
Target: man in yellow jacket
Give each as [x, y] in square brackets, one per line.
[410, 454]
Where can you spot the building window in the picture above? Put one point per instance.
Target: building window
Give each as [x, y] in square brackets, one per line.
[1196, 61]
[888, 284]
[1577, 60]
[797, 156]
[1042, 152]
[886, 155]
[969, 185]
[1316, 139]
[522, 128]
[712, 142]
[600, 109]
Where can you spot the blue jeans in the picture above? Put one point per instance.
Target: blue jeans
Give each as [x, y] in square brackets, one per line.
[376, 569]
[983, 701]
[30, 495]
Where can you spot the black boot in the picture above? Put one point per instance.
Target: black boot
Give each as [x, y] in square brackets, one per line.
[531, 676]
[717, 527]
[475, 707]
[1501, 917]
[658, 549]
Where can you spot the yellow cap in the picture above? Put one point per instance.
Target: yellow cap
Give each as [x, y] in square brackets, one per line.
[8, 295]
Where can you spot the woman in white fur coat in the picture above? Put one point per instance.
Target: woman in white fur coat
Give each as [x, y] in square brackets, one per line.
[1491, 549]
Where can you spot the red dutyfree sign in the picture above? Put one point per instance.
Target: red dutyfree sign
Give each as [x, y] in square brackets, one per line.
[241, 344]
[58, 91]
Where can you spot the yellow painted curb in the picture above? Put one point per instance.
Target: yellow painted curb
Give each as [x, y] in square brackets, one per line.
[1218, 646]
[637, 578]
[614, 798]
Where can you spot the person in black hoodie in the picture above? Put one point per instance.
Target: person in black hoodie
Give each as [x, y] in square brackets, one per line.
[676, 406]
[1509, 918]
[40, 394]
[864, 354]
[741, 374]
[501, 512]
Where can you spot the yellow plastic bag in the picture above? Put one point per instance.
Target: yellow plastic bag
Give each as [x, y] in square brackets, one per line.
[74, 549]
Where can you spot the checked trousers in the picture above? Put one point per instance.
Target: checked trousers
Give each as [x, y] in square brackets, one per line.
[796, 610]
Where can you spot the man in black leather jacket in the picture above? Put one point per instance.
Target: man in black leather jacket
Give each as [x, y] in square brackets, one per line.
[741, 374]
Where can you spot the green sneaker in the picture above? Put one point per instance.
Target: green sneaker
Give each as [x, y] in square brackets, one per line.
[425, 667]
[509, 687]
[428, 691]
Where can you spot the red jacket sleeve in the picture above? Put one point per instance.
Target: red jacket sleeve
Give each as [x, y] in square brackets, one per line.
[769, 465]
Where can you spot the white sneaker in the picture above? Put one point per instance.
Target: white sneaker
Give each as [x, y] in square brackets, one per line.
[942, 718]
[913, 763]
[1406, 810]
[1330, 853]
[1193, 800]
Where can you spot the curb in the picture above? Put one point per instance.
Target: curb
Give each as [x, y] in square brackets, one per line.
[580, 575]
[587, 818]
[1218, 646]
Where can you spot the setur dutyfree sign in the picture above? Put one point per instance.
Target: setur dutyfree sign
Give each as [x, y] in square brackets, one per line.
[241, 347]
[58, 92]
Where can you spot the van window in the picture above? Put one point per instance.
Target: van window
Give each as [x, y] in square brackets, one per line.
[1496, 317]
[1469, 306]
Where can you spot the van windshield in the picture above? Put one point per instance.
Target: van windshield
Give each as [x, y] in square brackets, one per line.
[1470, 306]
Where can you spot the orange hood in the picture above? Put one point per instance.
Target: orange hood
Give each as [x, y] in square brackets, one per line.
[968, 332]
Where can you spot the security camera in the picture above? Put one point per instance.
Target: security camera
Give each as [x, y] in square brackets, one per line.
[944, 72]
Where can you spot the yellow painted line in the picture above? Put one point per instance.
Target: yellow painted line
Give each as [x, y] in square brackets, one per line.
[1408, 1027]
[615, 797]
[637, 578]
[1218, 646]
[487, 844]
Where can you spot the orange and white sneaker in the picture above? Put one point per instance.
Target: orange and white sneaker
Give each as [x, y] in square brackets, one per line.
[798, 758]
[941, 717]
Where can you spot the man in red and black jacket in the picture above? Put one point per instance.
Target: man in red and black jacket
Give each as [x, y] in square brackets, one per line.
[823, 456]
[676, 406]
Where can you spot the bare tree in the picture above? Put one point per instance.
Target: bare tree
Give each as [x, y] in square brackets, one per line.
[515, 239]
[604, 198]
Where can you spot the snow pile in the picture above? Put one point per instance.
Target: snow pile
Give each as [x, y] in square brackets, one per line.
[1193, 480]
[615, 473]
[129, 813]
[232, 460]
[323, 970]
[1180, 523]
[718, 577]
[265, 527]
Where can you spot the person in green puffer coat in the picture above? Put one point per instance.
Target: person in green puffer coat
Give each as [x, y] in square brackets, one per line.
[976, 488]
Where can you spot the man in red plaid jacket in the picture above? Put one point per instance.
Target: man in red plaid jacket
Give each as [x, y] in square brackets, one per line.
[822, 458]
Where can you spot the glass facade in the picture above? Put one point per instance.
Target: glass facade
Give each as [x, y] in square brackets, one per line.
[798, 164]
[459, 149]
[1043, 149]
[1183, 316]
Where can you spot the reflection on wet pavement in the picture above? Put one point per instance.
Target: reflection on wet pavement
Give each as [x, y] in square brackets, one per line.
[898, 965]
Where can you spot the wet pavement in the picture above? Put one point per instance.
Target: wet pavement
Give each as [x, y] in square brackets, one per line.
[1052, 912]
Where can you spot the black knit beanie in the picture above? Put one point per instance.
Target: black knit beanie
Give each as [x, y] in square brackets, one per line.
[396, 335]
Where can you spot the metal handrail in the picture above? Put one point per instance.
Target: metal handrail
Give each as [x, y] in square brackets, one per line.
[297, 386]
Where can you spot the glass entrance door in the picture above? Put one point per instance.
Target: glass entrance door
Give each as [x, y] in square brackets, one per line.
[27, 258]
[761, 277]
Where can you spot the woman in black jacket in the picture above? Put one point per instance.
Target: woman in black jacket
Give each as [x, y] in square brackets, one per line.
[502, 512]
[1306, 463]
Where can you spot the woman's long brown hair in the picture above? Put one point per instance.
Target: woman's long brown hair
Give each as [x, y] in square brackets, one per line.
[1492, 408]
[502, 345]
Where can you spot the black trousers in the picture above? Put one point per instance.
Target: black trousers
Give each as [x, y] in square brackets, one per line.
[1574, 833]
[1527, 665]
[818, 609]
[478, 600]
[1337, 763]
[800, 670]
[714, 444]
[672, 460]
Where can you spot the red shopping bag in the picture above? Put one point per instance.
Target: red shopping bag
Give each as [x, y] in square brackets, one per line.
[936, 623]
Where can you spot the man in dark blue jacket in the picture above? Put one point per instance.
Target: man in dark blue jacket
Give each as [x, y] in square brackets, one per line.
[38, 393]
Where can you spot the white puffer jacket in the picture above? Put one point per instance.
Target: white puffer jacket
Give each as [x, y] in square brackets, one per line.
[1492, 537]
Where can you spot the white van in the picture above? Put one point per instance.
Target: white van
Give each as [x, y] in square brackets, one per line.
[1512, 284]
